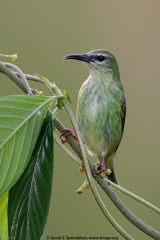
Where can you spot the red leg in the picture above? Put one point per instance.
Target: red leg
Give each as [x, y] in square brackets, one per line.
[102, 167]
[65, 133]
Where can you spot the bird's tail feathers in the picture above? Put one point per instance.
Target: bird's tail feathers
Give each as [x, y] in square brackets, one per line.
[113, 176]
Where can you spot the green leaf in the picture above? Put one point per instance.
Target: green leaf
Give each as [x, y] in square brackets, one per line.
[21, 118]
[59, 104]
[4, 217]
[66, 95]
[29, 198]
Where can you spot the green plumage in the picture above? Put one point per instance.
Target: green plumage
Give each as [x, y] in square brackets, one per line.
[101, 106]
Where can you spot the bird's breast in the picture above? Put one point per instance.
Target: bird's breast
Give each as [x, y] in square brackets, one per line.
[99, 116]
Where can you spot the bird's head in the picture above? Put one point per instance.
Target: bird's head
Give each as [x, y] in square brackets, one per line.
[101, 60]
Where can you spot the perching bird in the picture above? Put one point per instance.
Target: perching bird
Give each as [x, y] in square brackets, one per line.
[101, 107]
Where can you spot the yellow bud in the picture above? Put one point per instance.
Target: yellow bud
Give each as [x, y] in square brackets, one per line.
[108, 171]
[79, 191]
[85, 185]
[102, 174]
[14, 57]
[40, 93]
[81, 169]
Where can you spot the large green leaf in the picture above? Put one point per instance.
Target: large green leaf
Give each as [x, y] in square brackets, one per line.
[4, 217]
[29, 198]
[21, 118]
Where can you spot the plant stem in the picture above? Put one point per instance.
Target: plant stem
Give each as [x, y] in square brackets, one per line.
[115, 186]
[12, 76]
[90, 178]
[31, 77]
[65, 149]
[104, 185]
[134, 196]
[22, 76]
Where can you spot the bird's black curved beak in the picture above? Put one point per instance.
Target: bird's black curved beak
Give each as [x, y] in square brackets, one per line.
[81, 57]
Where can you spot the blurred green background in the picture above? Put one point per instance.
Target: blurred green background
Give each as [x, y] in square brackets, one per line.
[42, 33]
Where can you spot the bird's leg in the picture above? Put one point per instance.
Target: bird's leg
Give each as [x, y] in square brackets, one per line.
[101, 167]
[65, 133]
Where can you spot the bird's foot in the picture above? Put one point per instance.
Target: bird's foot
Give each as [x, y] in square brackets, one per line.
[84, 185]
[103, 172]
[65, 133]
[101, 168]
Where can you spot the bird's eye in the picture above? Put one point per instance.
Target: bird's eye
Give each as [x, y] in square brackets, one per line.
[101, 58]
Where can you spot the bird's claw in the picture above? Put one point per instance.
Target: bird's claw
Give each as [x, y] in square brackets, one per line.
[103, 172]
[65, 133]
[101, 168]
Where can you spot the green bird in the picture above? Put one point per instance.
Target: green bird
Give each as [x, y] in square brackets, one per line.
[101, 107]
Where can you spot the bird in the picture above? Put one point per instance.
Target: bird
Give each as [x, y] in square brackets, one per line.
[101, 108]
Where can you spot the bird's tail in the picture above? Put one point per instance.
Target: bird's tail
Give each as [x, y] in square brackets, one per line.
[113, 176]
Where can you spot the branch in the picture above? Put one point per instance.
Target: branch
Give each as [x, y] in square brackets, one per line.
[12, 76]
[65, 149]
[105, 186]
[90, 177]
[22, 76]
[135, 197]
[31, 77]
[115, 186]
[101, 181]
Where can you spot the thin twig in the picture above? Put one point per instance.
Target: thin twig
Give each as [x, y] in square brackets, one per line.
[134, 196]
[12, 76]
[115, 186]
[31, 77]
[105, 186]
[22, 76]
[91, 180]
[65, 149]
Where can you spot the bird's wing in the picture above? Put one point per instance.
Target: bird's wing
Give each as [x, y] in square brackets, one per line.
[123, 115]
[123, 112]
[113, 176]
